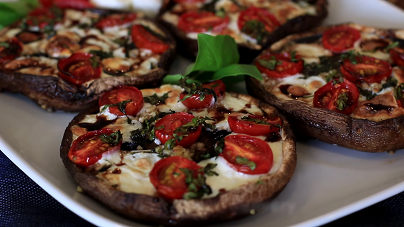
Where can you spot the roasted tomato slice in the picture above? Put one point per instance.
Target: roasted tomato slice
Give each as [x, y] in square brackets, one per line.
[10, 50]
[132, 97]
[341, 97]
[74, 4]
[146, 40]
[166, 126]
[247, 154]
[341, 38]
[40, 17]
[250, 20]
[202, 22]
[366, 69]
[397, 56]
[279, 65]
[87, 149]
[115, 20]
[254, 125]
[168, 178]
[196, 102]
[79, 68]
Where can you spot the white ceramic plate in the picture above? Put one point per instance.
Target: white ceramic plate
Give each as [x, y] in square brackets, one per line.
[329, 181]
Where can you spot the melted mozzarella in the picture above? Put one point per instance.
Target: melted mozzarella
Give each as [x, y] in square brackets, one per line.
[229, 178]
[130, 173]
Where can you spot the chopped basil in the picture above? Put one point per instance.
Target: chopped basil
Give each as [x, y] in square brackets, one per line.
[270, 63]
[259, 121]
[342, 101]
[219, 147]
[197, 186]
[351, 56]
[113, 138]
[154, 99]
[101, 54]
[245, 161]
[121, 106]
[326, 65]
[4, 44]
[195, 88]
[193, 124]
[391, 46]
[398, 91]
[256, 29]
[368, 94]
[293, 57]
[208, 169]
[390, 82]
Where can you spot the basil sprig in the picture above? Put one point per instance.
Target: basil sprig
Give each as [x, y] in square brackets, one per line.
[113, 138]
[217, 58]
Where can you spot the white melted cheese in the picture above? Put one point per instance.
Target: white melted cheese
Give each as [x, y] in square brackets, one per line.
[229, 178]
[130, 173]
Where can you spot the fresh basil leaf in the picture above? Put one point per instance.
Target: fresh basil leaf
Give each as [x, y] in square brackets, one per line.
[215, 52]
[236, 70]
[175, 79]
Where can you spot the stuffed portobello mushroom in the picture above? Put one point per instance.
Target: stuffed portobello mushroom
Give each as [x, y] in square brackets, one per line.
[63, 59]
[342, 84]
[253, 24]
[156, 159]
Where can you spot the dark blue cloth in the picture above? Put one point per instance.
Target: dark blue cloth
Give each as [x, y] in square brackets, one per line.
[24, 203]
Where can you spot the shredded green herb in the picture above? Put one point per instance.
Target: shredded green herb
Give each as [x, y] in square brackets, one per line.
[155, 99]
[245, 161]
[113, 138]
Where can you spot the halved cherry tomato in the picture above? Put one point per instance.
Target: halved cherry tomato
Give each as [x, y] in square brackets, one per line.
[168, 179]
[89, 148]
[340, 97]
[164, 129]
[251, 149]
[120, 94]
[74, 4]
[144, 39]
[282, 64]
[115, 19]
[40, 17]
[46, 3]
[79, 68]
[367, 69]
[254, 128]
[10, 50]
[195, 102]
[257, 14]
[202, 22]
[397, 56]
[341, 38]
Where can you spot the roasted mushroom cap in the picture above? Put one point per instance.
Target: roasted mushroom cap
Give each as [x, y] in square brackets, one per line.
[226, 206]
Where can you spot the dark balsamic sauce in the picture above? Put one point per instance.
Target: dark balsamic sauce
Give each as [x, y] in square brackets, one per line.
[99, 124]
[273, 137]
[379, 107]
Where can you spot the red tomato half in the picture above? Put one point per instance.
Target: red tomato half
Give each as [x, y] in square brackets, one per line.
[120, 94]
[283, 65]
[397, 56]
[10, 50]
[257, 14]
[202, 22]
[145, 40]
[367, 69]
[88, 148]
[74, 4]
[78, 68]
[253, 149]
[164, 129]
[40, 17]
[238, 125]
[340, 38]
[194, 102]
[116, 20]
[340, 97]
[168, 179]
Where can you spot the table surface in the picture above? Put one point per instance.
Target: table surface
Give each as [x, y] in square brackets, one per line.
[24, 203]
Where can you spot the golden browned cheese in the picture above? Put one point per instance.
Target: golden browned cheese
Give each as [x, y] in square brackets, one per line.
[380, 108]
